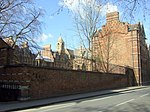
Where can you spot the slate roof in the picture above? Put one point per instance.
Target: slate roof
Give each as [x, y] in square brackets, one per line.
[133, 27]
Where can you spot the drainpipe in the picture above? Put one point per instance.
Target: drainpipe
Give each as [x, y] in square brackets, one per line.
[139, 57]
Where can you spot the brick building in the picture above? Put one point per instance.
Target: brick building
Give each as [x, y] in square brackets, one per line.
[15, 55]
[5, 52]
[82, 59]
[61, 58]
[123, 44]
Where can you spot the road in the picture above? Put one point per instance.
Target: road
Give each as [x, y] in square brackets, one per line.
[128, 101]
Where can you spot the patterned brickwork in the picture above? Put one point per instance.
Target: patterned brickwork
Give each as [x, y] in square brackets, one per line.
[123, 44]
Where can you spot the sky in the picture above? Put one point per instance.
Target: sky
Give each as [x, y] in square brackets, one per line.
[61, 24]
[55, 25]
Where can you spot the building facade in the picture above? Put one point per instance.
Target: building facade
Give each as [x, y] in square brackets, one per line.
[61, 58]
[82, 60]
[5, 53]
[123, 44]
[15, 55]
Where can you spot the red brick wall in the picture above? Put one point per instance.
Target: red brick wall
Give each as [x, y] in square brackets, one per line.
[43, 82]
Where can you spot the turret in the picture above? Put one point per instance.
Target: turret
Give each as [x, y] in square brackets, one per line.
[60, 45]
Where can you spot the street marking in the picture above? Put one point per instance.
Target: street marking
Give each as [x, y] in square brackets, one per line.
[55, 107]
[98, 99]
[124, 102]
[144, 95]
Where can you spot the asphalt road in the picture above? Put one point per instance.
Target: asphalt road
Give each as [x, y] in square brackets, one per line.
[127, 101]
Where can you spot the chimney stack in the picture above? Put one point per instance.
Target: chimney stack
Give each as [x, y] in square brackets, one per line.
[113, 16]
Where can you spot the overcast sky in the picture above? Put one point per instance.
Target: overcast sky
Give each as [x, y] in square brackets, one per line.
[55, 25]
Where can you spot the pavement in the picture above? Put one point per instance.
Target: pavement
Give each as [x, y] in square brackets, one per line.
[18, 105]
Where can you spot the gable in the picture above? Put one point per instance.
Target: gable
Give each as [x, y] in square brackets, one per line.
[3, 44]
[69, 52]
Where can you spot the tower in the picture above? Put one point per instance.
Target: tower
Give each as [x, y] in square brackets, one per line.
[60, 45]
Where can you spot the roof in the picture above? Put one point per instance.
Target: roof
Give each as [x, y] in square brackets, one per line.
[70, 52]
[133, 27]
[82, 52]
[47, 59]
[60, 40]
[4, 44]
[39, 57]
[9, 40]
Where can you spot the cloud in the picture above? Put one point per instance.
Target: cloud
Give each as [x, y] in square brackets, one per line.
[76, 5]
[81, 8]
[79, 5]
[109, 8]
[44, 37]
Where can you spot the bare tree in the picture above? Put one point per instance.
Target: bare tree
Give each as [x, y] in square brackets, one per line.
[19, 20]
[133, 8]
[86, 21]
[107, 44]
[87, 17]
[103, 44]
